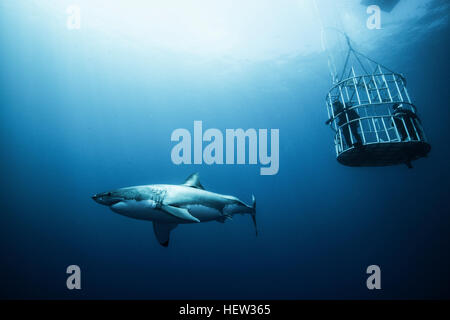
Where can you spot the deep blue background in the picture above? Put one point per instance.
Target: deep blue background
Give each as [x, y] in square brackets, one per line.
[76, 120]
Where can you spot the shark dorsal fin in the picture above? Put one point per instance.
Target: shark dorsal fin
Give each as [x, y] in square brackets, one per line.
[193, 181]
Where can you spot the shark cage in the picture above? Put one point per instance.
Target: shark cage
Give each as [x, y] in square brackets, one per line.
[372, 116]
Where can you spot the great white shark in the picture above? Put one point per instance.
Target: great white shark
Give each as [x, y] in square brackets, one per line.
[168, 205]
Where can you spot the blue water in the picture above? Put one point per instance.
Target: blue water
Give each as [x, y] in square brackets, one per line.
[81, 114]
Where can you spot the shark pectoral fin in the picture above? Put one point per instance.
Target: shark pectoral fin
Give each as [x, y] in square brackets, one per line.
[162, 232]
[181, 213]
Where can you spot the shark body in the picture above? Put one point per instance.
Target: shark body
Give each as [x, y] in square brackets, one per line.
[167, 206]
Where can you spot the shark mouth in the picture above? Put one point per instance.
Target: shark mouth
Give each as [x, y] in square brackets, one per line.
[105, 200]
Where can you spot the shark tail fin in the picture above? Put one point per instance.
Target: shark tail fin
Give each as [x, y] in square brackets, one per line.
[253, 213]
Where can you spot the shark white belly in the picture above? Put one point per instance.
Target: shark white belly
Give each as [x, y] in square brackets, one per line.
[146, 210]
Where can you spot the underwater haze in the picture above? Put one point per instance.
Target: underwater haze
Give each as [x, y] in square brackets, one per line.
[91, 108]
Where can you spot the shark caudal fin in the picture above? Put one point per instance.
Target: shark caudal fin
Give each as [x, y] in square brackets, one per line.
[254, 213]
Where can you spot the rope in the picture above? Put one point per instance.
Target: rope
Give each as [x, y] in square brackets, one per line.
[331, 63]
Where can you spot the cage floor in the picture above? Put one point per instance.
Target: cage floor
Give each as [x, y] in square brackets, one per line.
[384, 154]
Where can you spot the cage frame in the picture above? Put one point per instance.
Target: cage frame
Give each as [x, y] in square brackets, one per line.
[377, 90]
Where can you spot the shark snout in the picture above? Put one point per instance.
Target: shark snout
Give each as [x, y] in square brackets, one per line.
[101, 198]
[106, 198]
[96, 198]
